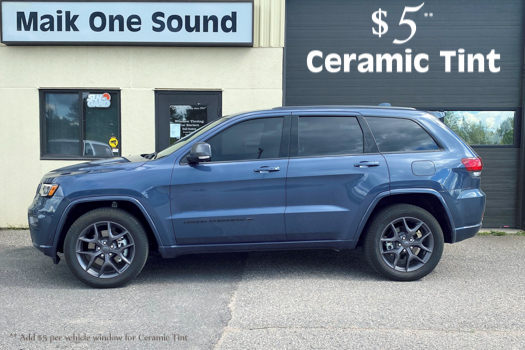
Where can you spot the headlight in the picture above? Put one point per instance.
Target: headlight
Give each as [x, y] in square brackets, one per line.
[48, 190]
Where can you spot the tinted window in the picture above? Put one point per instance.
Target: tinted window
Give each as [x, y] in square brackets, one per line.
[66, 112]
[254, 139]
[400, 135]
[62, 123]
[328, 136]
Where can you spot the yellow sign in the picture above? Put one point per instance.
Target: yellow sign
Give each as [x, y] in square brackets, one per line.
[113, 142]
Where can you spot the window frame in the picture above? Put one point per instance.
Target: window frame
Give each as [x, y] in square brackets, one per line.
[284, 144]
[440, 145]
[43, 129]
[517, 122]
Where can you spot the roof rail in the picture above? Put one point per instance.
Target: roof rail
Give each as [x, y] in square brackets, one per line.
[386, 104]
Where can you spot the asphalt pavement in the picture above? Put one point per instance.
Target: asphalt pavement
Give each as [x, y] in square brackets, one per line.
[474, 299]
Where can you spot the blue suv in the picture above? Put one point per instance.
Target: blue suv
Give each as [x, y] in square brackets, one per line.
[396, 181]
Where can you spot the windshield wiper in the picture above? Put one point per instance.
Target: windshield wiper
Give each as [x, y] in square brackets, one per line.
[150, 155]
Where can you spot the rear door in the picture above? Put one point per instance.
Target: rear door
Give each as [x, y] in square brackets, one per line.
[334, 172]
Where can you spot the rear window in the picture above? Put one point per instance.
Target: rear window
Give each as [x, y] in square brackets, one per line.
[400, 135]
[329, 136]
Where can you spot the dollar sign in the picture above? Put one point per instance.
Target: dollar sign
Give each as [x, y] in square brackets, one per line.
[383, 27]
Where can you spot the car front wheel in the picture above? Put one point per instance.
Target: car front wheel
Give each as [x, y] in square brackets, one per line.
[404, 242]
[106, 248]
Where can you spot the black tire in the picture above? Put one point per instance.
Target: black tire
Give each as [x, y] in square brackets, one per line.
[388, 246]
[106, 260]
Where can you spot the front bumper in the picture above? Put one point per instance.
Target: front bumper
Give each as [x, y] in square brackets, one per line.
[43, 217]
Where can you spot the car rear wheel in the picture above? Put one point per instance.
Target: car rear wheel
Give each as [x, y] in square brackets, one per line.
[106, 248]
[404, 242]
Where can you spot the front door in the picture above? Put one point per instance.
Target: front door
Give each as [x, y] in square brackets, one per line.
[239, 196]
[179, 113]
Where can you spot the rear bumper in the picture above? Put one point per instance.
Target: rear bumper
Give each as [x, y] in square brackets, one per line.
[466, 207]
[463, 233]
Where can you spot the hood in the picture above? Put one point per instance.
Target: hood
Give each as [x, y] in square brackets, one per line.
[97, 166]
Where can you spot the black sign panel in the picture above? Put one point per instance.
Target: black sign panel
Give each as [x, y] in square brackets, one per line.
[433, 54]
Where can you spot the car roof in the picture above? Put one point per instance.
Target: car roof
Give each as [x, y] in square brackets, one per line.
[339, 107]
[367, 111]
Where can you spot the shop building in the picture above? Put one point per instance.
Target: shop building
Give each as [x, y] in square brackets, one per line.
[463, 59]
[129, 78]
[45, 119]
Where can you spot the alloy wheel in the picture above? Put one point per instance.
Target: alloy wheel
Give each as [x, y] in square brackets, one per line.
[105, 249]
[406, 244]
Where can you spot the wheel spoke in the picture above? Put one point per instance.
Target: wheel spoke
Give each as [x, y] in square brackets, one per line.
[418, 258]
[420, 245]
[424, 236]
[109, 230]
[392, 239]
[110, 263]
[124, 259]
[397, 254]
[114, 238]
[397, 257]
[97, 235]
[104, 265]
[412, 230]
[408, 259]
[93, 256]
[407, 229]
[91, 261]
[119, 250]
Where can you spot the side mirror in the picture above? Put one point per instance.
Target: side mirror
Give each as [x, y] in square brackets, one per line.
[200, 152]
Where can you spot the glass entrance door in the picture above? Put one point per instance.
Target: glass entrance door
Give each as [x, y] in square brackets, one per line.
[179, 113]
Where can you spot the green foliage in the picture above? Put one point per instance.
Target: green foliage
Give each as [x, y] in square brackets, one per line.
[477, 133]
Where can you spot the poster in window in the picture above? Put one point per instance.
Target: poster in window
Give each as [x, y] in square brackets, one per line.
[185, 119]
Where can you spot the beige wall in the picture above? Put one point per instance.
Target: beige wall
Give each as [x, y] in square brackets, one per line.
[249, 78]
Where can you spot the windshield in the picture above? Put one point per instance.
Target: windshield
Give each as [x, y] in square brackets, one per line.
[188, 138]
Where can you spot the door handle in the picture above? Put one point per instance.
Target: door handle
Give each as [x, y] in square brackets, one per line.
[266, 169]
[366, 164]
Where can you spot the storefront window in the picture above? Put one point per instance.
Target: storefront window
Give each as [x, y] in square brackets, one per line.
[80, 124]
[492, 128]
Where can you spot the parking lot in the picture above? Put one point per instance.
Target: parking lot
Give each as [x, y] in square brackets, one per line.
[475, 299]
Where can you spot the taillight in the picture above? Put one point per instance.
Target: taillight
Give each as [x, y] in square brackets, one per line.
[473, 164]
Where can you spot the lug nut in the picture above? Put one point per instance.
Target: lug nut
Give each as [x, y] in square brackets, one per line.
[104, 243]
[399, 244]
[404, 250]
[101, 255]
[110, 254]
[411, 239]
[98, 248]
[403, 238]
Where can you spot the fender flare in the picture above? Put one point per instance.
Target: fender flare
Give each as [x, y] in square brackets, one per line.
[135, 201]
[382, 195]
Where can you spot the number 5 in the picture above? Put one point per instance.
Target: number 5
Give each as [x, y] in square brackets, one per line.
[409, 22]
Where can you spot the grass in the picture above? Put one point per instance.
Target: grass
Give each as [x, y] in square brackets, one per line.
[493, 233]
[520, 233]
[11, 228]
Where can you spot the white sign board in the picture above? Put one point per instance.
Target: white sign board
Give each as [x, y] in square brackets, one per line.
[128, 23]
